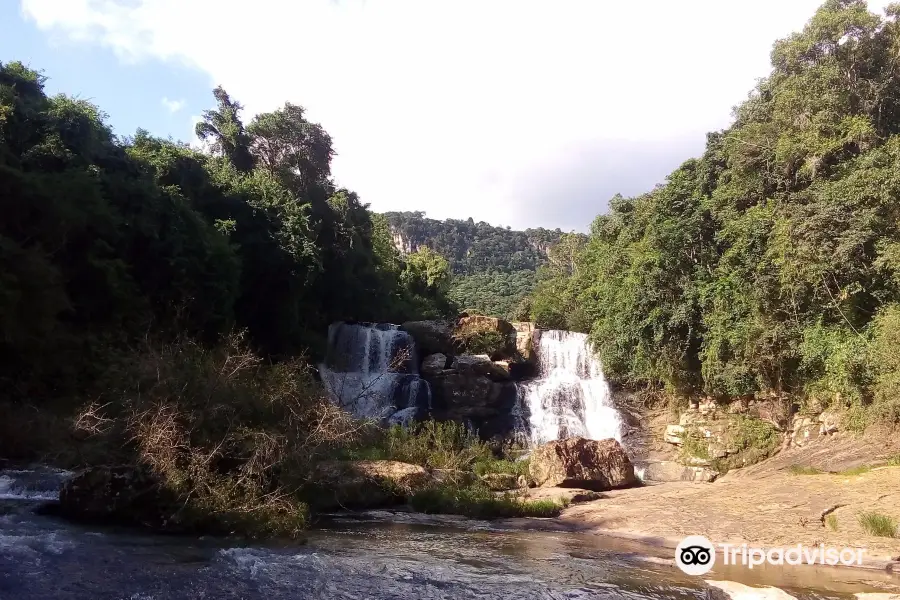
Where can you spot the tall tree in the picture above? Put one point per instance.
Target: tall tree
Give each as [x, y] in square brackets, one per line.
[224, 127]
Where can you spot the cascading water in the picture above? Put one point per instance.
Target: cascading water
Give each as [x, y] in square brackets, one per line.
[371, 370]
[571, 396]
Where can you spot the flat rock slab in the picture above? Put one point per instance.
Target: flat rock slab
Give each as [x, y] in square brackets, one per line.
[774, 509]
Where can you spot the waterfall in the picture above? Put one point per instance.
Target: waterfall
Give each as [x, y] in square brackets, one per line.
[371, 370]
[571, 397]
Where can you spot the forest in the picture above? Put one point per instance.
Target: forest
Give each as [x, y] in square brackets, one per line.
[106, 240]
[493, 267]
[771, 263]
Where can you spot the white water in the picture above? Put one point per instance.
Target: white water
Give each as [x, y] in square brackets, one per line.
[371, 371]
[571, 397]
[32, 484]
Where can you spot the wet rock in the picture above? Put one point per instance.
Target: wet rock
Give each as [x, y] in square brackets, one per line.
[731, 590]
[431, 337]
[596, 465]
[480, 365]
[363, 484]
[458, 397]
[434, 364]
[122, 494]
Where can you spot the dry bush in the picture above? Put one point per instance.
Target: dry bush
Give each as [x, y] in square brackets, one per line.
[230, 434]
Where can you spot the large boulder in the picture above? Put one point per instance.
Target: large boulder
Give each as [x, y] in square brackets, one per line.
[363, 484]
[596, 465]
[481, 365]
[527, 340]
[123, 495]
[477, 334]
[434, 364]
[431, 337]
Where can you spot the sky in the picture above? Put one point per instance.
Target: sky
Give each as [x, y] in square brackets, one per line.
[524, 113]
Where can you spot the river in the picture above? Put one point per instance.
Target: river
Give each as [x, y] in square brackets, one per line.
[42, 557]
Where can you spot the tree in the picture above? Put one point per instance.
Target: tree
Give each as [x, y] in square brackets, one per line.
[292, 148]
[223, 125]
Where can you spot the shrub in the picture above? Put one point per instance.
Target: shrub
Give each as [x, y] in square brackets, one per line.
[878, 524]
[694, 446]
[482, 342]
[231, 435]
[836, 364]
[431, 444]
[886, 406]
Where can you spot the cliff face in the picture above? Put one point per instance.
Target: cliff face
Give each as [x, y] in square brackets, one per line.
[494, 268]
[473, 247]
[402, 243]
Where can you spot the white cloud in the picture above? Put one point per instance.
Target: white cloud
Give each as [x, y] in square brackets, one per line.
[173, 105]
[455, 106]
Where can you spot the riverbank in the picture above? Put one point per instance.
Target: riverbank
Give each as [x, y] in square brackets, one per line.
[776, 509]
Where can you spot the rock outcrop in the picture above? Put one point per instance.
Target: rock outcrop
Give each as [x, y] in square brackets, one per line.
[480, 365]
[474, 399]
[470, 368]
[527, 350]
[363, 484]
[806, 428]
[477, 334]
[431, 337]
[527, 340]
[726, 436]
[434, 364]
[596, 465]
[659, 471]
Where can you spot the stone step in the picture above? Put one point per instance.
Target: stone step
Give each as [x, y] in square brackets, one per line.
[660, 471]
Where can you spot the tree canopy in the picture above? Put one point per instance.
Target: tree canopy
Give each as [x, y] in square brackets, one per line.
[770, 263]
[105, 239]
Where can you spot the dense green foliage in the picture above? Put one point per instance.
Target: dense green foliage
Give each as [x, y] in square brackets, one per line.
[494, 267]
[104, 238]
[772, 262]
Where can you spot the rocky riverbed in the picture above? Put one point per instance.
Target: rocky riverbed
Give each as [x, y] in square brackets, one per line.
[379, 556]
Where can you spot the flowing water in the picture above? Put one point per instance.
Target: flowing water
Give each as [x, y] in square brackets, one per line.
[571, 397]
[372, 371]
[44, 558]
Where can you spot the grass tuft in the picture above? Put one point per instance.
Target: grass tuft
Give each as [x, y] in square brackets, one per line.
[432, 444]
[803, 470]
[878, 524]
[831, 522]
[479, 502]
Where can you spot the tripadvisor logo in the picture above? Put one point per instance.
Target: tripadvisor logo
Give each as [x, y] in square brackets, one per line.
[696, 555]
